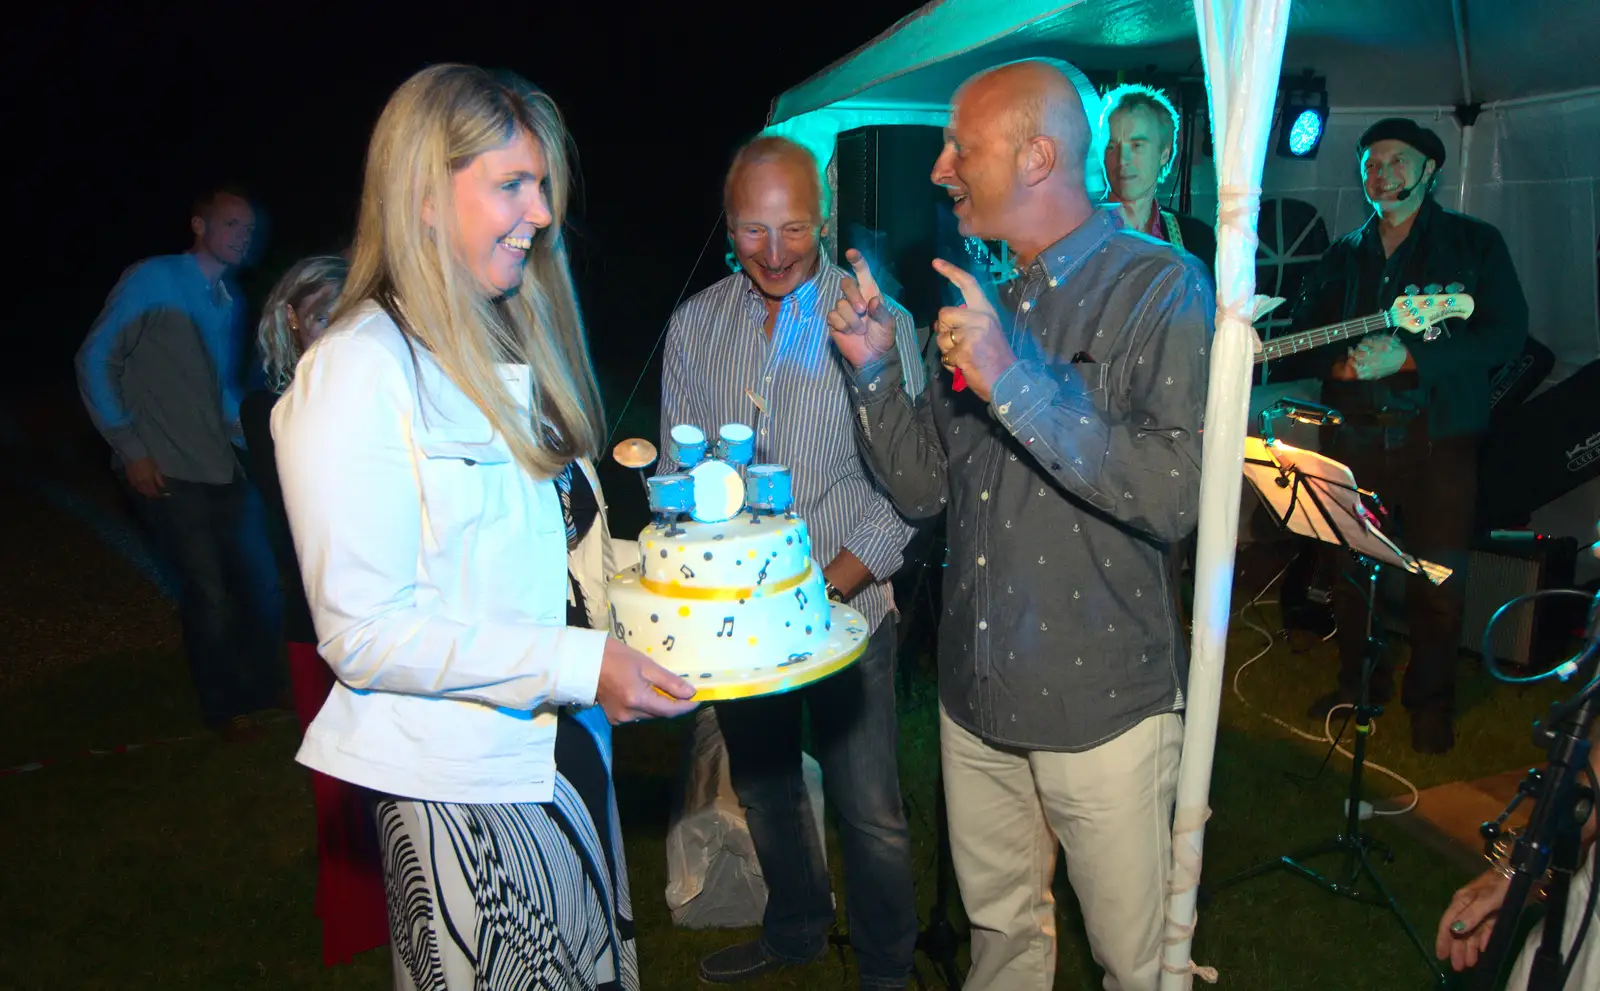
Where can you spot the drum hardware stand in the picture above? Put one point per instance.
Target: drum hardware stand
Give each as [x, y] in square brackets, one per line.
[1551, 843]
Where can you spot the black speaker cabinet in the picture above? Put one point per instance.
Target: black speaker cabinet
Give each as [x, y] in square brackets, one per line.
[890, 210]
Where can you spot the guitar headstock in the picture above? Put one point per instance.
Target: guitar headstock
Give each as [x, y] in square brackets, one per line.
[1422, 313]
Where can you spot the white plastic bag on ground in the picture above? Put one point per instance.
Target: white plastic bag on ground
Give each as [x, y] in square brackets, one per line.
[713, 878]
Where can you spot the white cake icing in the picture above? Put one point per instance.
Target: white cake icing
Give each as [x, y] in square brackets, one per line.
[718, 597]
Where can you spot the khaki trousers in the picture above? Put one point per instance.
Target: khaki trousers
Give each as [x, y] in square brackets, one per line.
[1110, 810]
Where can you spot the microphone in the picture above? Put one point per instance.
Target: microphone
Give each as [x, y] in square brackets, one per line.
[1517, 535]
[1301, 411]
[1405, 194]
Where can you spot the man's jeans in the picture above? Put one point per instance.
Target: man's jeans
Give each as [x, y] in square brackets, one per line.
[1429, 488]
[214, 537]
[854, 734]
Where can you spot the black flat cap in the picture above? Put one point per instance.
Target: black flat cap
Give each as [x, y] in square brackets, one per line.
[1407, 130]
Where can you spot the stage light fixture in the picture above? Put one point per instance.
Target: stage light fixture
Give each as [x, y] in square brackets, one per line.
[1304, 117]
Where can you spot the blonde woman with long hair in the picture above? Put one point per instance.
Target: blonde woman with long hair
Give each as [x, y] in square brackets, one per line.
[435, 451]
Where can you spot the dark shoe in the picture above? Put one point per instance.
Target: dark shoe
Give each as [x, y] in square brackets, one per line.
[240, 729]
[741, 962]
[1432, 732]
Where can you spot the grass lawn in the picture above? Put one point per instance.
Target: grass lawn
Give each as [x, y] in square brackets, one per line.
[191, 865]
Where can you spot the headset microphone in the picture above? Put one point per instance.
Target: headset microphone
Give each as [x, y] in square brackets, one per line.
[1405, 194]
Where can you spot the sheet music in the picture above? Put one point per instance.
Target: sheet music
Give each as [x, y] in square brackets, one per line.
[1281, 475]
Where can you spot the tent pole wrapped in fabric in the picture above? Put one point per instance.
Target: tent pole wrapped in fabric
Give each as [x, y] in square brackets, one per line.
[1242, 43]
[1525, 143]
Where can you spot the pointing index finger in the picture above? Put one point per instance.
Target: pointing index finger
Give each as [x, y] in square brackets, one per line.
[964, 281]
[864, 277]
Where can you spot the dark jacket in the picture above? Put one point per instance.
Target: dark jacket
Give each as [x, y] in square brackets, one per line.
[1197, 237]
[1451, 381]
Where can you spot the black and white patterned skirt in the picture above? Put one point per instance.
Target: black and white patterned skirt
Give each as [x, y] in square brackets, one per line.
[512, 897]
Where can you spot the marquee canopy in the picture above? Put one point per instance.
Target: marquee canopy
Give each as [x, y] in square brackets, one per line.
[1371, 52]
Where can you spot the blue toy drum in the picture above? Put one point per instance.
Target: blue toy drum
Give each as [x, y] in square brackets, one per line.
[687, 447]
[737, 445]
[771, 489]
[671, 495]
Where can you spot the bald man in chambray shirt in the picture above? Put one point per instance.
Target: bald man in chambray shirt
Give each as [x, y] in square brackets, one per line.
[1070, 467]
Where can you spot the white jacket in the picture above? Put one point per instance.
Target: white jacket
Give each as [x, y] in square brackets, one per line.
[436, 572]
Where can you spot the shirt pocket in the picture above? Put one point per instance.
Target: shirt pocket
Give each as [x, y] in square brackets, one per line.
[466, 484]
[1096, 379]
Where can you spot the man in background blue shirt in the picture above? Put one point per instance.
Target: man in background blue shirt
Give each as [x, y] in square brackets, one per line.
[160, 374]
[754, 349]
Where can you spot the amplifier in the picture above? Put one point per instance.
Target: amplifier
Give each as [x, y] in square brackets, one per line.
[1532, 635]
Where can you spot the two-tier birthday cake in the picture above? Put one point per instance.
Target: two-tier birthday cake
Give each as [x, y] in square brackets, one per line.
[726, 593]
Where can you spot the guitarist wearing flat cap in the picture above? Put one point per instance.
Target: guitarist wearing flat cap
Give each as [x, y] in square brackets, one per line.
[1414, 403]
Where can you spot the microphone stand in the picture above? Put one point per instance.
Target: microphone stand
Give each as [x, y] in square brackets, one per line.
[1357, 847]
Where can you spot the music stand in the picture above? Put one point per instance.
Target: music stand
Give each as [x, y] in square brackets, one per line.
[1317, 497]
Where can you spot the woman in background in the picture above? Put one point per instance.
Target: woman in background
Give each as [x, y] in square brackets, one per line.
[350, 895]
[433, 454]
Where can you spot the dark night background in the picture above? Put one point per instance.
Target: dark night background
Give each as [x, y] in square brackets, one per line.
[121, 112]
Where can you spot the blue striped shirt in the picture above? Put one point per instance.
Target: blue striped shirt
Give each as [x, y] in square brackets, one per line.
[718, 366]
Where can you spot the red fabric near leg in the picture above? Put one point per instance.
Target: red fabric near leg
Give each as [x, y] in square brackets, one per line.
[350, 897]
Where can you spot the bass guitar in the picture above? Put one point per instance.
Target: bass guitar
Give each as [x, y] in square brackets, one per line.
[1419, 314]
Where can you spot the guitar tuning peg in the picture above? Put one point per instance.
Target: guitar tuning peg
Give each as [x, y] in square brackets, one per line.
[1432, 287]
[1411, 290]
[1454, 287]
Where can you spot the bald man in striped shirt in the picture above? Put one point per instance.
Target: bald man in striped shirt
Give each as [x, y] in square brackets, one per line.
[755, 349]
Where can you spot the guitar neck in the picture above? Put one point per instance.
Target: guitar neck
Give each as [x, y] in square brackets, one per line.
[1318, 336]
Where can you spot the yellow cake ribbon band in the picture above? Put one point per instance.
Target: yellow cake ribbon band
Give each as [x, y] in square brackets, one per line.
[679, 591]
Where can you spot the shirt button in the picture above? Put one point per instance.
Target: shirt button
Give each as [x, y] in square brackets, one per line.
[984, 495]
[1026, 305]
[873, 387]
[982, 560]
[983, 624]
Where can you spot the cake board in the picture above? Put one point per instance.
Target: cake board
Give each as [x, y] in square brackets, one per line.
[846, 642]
[844, 648]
